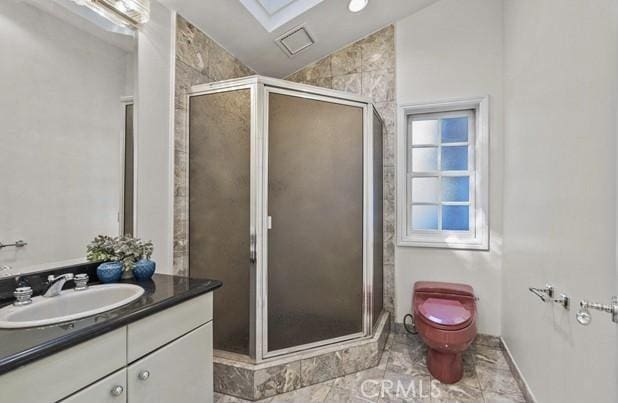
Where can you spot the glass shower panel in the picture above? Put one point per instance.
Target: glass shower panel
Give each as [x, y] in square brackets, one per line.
[315, 199]
[219, 201]
[378, 244]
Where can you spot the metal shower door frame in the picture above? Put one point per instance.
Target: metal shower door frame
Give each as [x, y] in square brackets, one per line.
[260, 88]
[302, 91]
[229, 86]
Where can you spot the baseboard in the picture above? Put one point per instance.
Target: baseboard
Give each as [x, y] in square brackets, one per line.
[517, 374]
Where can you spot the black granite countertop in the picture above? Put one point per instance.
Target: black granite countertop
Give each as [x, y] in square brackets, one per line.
[22, 346]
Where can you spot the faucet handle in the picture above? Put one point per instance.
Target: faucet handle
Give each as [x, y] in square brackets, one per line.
[81, 281]
[22, 296]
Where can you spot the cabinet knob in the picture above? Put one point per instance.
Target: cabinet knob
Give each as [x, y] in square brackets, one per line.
[117, 390]
[143, 375]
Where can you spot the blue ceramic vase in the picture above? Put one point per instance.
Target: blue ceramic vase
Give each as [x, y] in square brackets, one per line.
[110, 272]
[143, 269]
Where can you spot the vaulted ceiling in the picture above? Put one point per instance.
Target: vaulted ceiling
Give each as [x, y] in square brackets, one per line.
[247, 36]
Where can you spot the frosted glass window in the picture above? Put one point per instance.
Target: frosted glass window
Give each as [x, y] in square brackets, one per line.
[455, 188]
[440, 176]
[425, 217]
[425, 159]
[425, 132]
[455, 158]
[455, 218]
[426, 190]
[454, 130]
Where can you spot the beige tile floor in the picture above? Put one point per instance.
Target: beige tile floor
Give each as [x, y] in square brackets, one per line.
[402, 376]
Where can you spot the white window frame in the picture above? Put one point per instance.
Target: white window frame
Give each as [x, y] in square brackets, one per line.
[478, 154]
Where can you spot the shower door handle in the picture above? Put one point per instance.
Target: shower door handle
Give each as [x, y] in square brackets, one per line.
[252, 248]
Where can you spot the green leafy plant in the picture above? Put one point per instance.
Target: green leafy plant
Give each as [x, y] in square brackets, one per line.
[147, 249]
[101, 249]
[125, 249]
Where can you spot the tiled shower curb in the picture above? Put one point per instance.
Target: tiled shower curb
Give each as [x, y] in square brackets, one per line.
[251, 381]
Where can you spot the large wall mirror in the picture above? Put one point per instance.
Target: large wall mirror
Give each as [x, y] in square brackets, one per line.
[66, 107]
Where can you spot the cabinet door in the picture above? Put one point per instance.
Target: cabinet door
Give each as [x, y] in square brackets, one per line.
[178, 372]
[59, 375]
[111, 389]
[170, 324]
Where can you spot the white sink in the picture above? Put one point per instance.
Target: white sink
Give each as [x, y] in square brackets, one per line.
[69, 305]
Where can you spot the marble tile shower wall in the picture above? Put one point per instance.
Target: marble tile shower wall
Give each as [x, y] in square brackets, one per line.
[367, 67]
[199, 60]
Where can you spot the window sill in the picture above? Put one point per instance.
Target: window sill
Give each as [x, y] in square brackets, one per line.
[475, 244]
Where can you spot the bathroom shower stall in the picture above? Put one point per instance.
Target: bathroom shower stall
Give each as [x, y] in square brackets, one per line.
[285, 207]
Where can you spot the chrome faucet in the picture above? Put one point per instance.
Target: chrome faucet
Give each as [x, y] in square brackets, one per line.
[55, 284]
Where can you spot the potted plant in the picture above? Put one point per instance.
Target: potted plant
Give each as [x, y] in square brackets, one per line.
[102, 249]
[121, 256]
[144, 268]
[128, 250]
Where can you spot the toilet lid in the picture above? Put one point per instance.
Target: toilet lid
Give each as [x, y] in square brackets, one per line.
[445, 312]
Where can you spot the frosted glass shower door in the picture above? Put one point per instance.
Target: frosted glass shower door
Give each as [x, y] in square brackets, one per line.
[219, 208]
[315, 201]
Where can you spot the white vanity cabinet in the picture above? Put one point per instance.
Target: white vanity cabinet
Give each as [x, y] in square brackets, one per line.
[165, 357]
[174, 371]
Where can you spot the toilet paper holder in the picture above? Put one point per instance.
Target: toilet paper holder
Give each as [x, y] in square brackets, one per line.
[547, 295]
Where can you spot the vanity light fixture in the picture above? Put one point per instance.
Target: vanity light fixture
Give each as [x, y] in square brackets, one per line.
[357, 5]
[123, 12]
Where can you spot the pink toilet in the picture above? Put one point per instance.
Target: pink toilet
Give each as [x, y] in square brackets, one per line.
[445, 318]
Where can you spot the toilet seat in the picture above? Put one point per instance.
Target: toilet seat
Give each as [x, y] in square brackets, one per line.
[445, 314]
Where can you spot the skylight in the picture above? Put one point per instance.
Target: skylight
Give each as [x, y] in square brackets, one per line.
[274, 13]
[272, 6]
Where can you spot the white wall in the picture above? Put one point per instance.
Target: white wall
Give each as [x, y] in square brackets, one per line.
[60, 111]
[154, 108]
[453, 49]
[560, 182]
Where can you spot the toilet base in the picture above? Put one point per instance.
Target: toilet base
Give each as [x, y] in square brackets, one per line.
[445, 367]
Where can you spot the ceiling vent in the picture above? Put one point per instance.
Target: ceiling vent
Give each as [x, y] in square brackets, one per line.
[295, 41]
